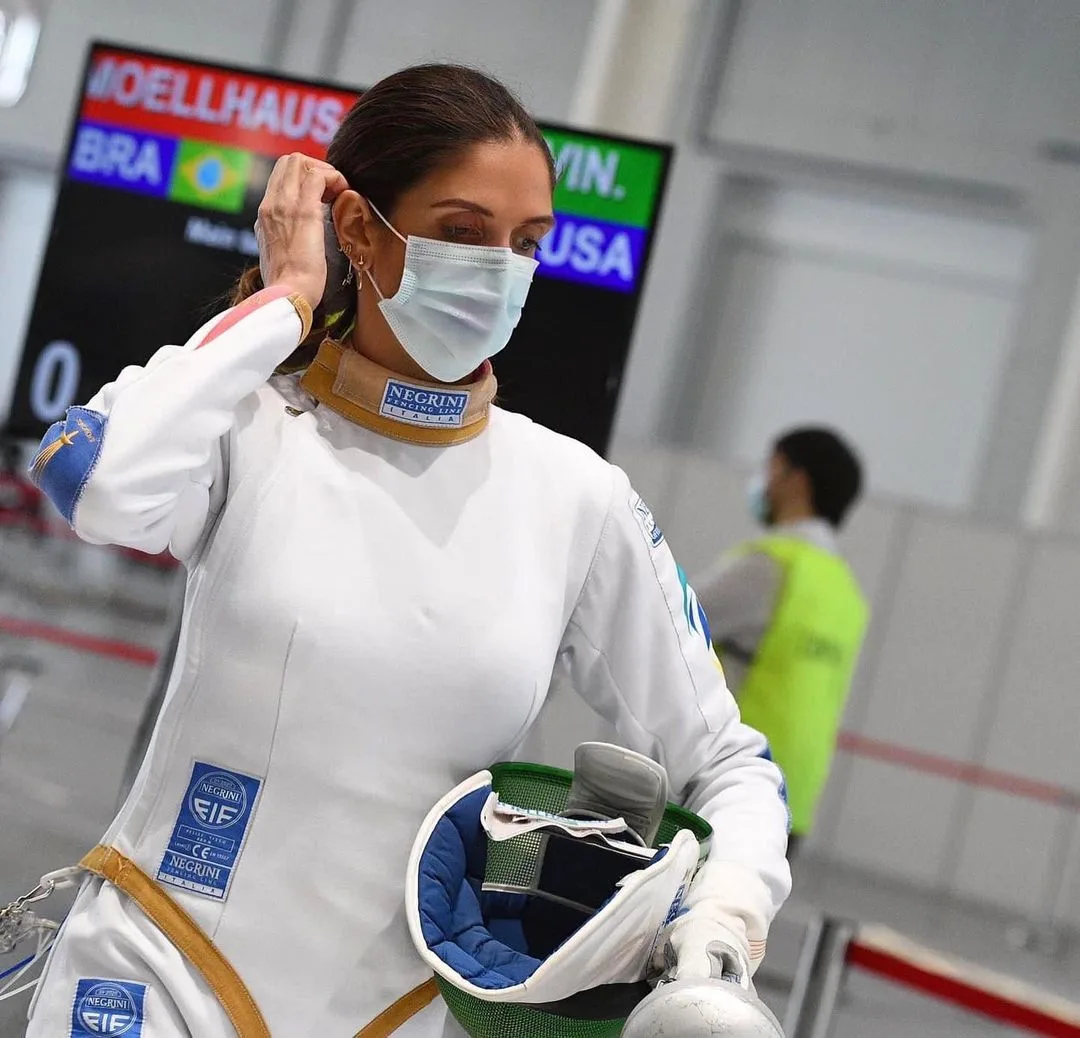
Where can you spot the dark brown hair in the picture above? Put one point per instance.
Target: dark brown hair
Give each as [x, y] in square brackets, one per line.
[398, 132]
[831, 466]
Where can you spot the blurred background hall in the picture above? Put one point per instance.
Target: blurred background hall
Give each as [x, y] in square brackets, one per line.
[870, 222]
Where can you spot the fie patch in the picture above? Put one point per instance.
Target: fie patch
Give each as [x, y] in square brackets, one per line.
[210, 829]
[108, 1007]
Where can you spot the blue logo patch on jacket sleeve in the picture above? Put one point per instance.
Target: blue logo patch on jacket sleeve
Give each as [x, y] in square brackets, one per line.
[108, 1007]
[210, 829]
[67, 456]
[647, 521]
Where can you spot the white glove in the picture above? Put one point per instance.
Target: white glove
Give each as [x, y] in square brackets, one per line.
[696, 947]
[721, 931]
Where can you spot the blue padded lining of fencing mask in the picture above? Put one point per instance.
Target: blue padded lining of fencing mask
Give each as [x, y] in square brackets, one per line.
[451, 914]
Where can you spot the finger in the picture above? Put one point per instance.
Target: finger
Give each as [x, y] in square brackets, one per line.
[313, 163]
[322, 184]
[330, 182]
[277, 175]
[290, 170]
[336, 184]
[283, 182]
[316, 166]
[296, 167]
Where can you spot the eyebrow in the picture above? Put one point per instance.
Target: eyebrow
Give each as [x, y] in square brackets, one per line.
[461, 203]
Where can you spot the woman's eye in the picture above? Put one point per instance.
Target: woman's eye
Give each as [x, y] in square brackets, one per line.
[528, 246]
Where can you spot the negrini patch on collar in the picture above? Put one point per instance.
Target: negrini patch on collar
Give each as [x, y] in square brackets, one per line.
[422, 405]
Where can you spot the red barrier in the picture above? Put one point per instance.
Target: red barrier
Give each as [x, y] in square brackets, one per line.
[959, 771]
[109, 647]
[965, 993]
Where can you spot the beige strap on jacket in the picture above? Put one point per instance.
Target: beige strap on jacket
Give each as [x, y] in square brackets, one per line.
[405, 1008]
[213, 967]
[185, 933]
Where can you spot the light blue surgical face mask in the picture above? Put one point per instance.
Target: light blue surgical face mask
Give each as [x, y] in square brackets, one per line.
[457, 304]
[757, 499]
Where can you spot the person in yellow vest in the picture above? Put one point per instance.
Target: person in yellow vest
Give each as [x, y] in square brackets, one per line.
[787, 615]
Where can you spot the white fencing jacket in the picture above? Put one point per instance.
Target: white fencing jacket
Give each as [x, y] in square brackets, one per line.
[368, 621]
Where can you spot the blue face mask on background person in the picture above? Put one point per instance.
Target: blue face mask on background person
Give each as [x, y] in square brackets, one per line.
[457, 305]
[757, 499]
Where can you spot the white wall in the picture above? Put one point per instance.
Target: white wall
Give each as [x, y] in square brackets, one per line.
[967, 89]
[934, 107]
[890, 323]
[536, 48]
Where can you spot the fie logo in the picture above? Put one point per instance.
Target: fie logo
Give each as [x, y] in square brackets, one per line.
[215, 812]
[217, 800]
[108, 1007]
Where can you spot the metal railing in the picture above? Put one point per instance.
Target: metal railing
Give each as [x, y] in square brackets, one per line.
[833, 947]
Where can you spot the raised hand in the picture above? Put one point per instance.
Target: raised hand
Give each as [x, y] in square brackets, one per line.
[290, 224]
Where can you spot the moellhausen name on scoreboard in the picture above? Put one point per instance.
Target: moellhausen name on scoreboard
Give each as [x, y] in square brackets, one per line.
[265, 115]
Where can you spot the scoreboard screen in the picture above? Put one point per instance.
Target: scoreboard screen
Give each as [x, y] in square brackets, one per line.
[166, 162]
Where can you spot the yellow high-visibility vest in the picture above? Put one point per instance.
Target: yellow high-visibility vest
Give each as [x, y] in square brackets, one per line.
[798, 683]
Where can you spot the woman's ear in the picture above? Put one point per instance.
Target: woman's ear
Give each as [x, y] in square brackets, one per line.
[353, 224]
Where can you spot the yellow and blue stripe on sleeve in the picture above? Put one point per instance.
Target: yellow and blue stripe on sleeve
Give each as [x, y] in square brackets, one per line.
[67, 456]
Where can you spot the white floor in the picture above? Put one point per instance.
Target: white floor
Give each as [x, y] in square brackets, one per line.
[61, 767]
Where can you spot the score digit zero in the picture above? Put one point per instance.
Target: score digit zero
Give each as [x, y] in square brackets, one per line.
[55, 380]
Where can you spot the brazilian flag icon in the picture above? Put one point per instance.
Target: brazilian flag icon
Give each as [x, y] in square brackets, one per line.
[210, 176]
